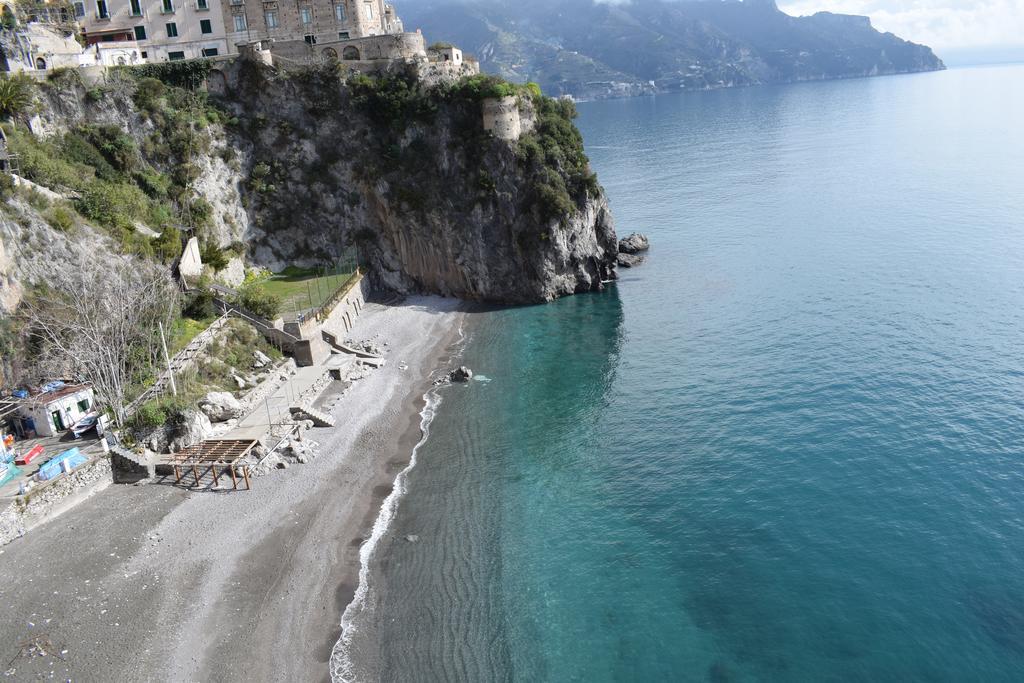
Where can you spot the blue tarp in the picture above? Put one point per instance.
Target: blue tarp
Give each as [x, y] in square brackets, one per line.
[53, 468]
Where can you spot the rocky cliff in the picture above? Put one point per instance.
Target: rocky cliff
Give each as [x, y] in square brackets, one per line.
[406, 173]
[594, 48]
[279, 169]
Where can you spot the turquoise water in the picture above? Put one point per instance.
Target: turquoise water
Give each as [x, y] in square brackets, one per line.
[790, 447]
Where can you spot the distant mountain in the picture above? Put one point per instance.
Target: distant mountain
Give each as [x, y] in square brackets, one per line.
[592, 49]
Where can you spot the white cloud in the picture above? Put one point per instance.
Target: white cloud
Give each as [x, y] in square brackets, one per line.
[938, 23]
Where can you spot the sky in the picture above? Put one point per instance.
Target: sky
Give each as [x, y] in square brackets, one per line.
[941, 24]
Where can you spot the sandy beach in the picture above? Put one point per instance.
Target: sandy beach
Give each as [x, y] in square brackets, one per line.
[153, 582]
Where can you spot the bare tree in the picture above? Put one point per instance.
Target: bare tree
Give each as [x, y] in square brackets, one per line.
[100, 319]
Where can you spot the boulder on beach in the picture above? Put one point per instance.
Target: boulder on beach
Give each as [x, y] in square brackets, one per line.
[634, 244]
[187, 429]
[220, 406]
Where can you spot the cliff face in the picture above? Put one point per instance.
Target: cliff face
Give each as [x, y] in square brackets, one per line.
[593, 49]
[283, 169]
[408, 175]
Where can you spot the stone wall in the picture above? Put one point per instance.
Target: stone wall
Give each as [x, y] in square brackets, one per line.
[28, 510]
[391, 47]
[343, 318]
[501, 118]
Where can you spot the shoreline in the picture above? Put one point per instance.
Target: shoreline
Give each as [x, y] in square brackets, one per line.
[154, 582]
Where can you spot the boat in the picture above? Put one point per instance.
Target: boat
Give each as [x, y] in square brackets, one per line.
[85, 424]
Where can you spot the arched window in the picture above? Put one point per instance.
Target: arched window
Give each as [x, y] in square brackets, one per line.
[330, 54]
[350, 54]
[41, 64]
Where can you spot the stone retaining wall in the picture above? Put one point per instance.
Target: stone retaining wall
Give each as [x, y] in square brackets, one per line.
[25, 511]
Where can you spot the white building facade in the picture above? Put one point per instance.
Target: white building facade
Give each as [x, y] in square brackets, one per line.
[139, 31]
[57, 411]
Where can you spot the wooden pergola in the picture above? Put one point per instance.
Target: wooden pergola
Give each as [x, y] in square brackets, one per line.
[211, 454]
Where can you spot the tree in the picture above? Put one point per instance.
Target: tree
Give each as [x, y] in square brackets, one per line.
[15, 95]
[100, 322]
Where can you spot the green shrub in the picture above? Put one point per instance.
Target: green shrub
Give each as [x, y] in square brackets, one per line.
[483, 86]
[393, 100]
[149, 415]
[149, 92]
[187, 73]
[15, 95]
[199, 305]
[213, 256]
[113, 205]
[7, 186]
[168, 245]
[153, 183]
[61, 219]
[76, 148]
[116, 147]
[255, 298]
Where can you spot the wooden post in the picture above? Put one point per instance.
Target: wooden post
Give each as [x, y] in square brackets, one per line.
[234, 479]
[216, 480]
[245, 473]
[195, 471]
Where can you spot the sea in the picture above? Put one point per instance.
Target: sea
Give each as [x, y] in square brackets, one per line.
[789, 447]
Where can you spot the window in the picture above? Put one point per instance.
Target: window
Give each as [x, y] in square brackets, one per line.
[210, 52]
[240, 22]
[144, 54]
[310, 38]
[270, 16]
[343, 35]
[237, 2]
[205, 26]
[339, 13]
[79, 10]
[83, 405]
[202, 4]
[175, 56]
[135, 8]
[306, 15]
[140, 33]
[101, 9]
[368, 11]
[168, 7]
[172, 30]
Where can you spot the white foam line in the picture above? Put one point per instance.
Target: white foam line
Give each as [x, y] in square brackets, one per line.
[341, 665]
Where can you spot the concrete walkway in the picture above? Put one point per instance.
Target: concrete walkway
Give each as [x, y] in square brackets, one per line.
[276, 409]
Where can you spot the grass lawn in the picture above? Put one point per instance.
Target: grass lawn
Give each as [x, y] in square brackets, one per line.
[301, 289]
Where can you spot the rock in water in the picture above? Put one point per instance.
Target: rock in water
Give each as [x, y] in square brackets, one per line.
[463, 374]
[629, 260]
[220, 406]
[634, 244]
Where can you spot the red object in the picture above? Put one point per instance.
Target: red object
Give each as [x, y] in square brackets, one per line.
[30, 456]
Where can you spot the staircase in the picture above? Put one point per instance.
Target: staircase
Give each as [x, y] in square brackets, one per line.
[320, 419]
[125, 460]
[180, 362]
